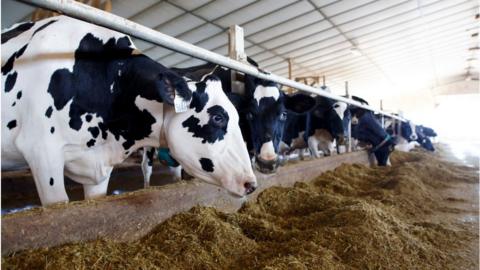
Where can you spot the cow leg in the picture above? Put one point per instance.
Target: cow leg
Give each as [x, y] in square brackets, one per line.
[46, 163]
[147, 164]
[176, 172]
[313, 146]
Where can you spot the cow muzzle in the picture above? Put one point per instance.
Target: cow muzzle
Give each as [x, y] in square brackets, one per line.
[266, 166]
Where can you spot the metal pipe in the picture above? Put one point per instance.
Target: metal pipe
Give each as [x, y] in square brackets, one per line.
[114, 22]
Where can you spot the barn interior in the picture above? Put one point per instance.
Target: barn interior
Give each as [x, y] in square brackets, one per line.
[418, 59]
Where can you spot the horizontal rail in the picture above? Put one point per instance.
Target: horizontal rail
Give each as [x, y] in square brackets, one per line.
[114, 22]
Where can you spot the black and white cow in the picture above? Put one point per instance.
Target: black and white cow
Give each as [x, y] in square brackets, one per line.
[423, 137]
[78, 99]
[318, 128]
[366, 128]
[408, 135]
[404, 133]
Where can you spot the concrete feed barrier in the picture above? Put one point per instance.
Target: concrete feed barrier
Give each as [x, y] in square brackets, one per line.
[130, 216]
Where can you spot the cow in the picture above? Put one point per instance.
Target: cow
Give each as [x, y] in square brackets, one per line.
[317, 128]
[263, 110]
[404, 133]
[79, 99]
[408, 135]
[423, 139]
[366, 128]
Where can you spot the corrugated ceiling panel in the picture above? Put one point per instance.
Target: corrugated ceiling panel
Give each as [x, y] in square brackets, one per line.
[283, 28]
[180, 24]
[341, 6]
[200, 33]
[372, 8]
[379, 17]
[258, 9]
[276, 17]
[218, 8]
[297, 35]
[125, 8]
[190, 5]
[253, 50]
[414, 27]
[214, 42]
[325, 3]
[157, 14]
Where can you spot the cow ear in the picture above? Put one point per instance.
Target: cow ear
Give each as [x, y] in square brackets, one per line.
[299, 103]
[170, 84]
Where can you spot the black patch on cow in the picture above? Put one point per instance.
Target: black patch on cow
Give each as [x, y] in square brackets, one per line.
[52, 130]
[91, 143]
[128, 143]
[21, 51]
[207, 164]
[103, 129]
[6, 36]
[14, 103]
[88, 117]
[49, 111]
[150, 154]
[97, 66]
[208, 132]
[9, 64]
[94, 130]
[10, 81]
[12, 124]
[43, 27]
[199, 97]
[51, 181]
[19, 94]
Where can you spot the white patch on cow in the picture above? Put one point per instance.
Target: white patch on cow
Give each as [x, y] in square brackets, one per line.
[354, 120]
[267, 151]
[265, 91]
[340, 108]
[119, 73]
[111, 87]
[414, 135]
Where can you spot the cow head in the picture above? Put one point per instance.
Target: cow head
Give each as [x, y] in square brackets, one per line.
[368, 129]
[333, 113]
[408, 131]
[423, 139]
[206, 139]
[266, 108]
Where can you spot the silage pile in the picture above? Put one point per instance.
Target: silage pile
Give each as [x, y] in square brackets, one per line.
[354, 217]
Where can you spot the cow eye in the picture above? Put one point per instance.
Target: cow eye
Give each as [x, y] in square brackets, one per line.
[336, 106]
[249, 116]
[218, 120]
[283, 116]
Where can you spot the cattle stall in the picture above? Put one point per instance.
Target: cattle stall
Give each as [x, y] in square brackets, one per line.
[342, 198]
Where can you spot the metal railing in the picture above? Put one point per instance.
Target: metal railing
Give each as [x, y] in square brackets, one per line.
[117, 23]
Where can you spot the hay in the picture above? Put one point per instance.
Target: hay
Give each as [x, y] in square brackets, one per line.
[354, 217]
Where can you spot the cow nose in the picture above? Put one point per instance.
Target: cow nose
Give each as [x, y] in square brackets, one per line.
[250, 187]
